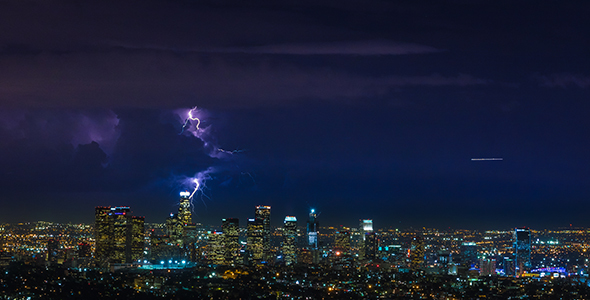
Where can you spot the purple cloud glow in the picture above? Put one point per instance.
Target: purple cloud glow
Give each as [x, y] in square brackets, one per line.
[374, 47]
[564, 80]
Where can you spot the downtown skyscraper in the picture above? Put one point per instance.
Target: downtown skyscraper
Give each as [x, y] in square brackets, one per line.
[263, 213]
[290, 240]
[254, 241]
[119, 235]
[178, 224]
[312, 231]
[231, 236]
[522, 250]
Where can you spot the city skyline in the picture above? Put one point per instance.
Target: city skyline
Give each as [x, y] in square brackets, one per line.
[438, 114]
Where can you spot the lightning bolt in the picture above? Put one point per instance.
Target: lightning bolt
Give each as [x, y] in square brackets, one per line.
[194, 118]
[230, 151]
[191, 118]
[196, 181]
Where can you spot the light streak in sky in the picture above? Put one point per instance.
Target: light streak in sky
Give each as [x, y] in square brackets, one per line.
[191, 118]
[195, 122]
[487, 159]
[230, 151]
[196, 181]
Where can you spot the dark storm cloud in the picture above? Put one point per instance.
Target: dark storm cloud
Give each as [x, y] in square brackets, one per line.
[564, 80]
[167, 54]
[146, 79]
[312, 91]
[50, 128]
[337, 48]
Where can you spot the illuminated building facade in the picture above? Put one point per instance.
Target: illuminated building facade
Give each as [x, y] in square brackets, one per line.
[119, 216]
[522, 250]
[366, 226]
[231, 236]
[184, 210]
[487, 266]
[342, 240]
[290, 240]
[119, 235]
[365, 229]
[103, 230]
[255, 240]
[176, 223]
[370, 245]
[84, 250]
[263, 213]
[468, 255]
[52, 250]
[509, 268]
[137, 239]
[216, 252]
[417, 253]
[312, 230]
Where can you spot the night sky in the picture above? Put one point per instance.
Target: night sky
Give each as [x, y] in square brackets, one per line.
[357, 108]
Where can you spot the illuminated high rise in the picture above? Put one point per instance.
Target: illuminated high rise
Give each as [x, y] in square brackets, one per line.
[263, 213]
[176, 223]
[52, 250]
[371, 245]
[312, 230]
[522, 250]
[119, 235]
[487, 266]
[231, 235]
[184, 210]
[365, 229]
[215, 248]
[417, 253]
[120, 217]
[468, 255]
[342, 240]
[255, 240]
[137, 239]
[290, 240]
[365, 226]
[103, 230]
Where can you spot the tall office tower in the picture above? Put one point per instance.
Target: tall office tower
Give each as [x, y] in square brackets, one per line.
[509, 268]
[371, 245]
[255, 240]
[184, 210]
[313, 228]
[175, 224]
[84, 250]
[231, 239]
[136, 239]
[119, 236]
[52, 250]
[216, 251]
[522, 250]
[120, 218]
[417, 253]
[366, 226]
[263, 213]
[103, 229]
[468, 255]
[487, 266]
[290, 240]
[342, 240]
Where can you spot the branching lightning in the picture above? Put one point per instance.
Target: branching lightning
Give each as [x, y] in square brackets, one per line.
[196, 181]
[230, 151]
[191, 118]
